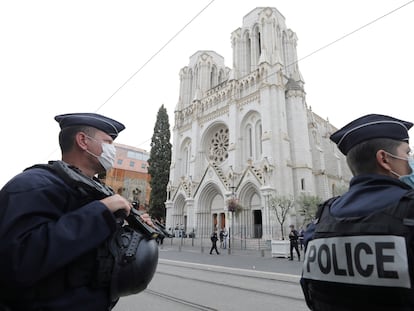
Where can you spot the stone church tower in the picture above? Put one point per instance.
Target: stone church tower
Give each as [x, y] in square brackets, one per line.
[247, 133]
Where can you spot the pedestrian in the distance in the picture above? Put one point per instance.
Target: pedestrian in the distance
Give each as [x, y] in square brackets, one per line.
[214, 239]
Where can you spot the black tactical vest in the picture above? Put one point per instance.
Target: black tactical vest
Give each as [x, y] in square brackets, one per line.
[362, 263]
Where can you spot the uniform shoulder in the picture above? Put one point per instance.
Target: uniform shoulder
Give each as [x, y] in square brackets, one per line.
[33, 178]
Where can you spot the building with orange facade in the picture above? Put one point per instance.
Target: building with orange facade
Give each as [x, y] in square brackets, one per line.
[129, 176]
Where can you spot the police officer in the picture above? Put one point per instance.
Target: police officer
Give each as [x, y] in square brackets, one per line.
[48, 236]
[359, 250]
[293, 239]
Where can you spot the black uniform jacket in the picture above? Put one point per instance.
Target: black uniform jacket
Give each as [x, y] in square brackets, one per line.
[47, 235]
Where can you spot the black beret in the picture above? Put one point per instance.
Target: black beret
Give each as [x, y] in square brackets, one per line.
[105, 124]
[369, 127]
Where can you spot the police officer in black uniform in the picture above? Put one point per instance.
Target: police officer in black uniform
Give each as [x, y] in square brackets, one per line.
[49, 235]
[359, 250]
[294, 239]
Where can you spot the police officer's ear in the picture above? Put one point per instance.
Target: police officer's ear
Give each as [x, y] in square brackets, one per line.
[81, 140]
[383, 162]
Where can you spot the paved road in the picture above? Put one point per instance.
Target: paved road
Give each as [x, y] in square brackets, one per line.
[244, 259]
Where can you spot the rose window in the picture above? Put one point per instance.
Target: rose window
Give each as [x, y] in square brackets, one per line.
[219, 146]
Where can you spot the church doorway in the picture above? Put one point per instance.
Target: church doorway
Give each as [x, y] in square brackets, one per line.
[214, 221]
[257, 224]
[222, 220]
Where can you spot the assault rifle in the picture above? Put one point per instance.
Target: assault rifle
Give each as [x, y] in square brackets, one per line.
[137, 223]
[92, 188]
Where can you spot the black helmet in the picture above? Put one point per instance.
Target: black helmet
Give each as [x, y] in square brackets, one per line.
[135, 262]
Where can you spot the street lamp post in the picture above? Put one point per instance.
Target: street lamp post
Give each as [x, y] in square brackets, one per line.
[232, 217]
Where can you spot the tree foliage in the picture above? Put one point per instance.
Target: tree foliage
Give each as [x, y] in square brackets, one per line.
[281, 205]
[308, 206]
[340, 190]
[159, 164]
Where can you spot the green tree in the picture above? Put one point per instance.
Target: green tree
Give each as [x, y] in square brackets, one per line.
[159, 164]
[281, 205]
[308, 206]
[340, 190]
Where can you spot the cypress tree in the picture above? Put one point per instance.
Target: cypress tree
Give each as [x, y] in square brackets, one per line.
[159, 164]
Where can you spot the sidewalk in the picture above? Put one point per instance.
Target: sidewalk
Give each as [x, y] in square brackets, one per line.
[261, 260]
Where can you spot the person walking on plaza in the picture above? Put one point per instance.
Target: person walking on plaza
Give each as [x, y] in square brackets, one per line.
[359, 251]
[214, 239]
[293, 238]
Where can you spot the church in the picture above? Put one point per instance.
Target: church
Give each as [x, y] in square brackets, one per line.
[245, 134]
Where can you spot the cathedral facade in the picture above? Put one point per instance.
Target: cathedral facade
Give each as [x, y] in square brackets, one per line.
[245, 134]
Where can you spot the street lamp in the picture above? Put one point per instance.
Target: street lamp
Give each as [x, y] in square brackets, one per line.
[231, 209]
[231, 206]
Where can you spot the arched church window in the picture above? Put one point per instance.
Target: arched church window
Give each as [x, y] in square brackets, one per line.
[257, 44]
[247, 61]
[284, 48]
[258, 140]
[213, 77]
[191, 87]
[220, 77]
[250, 141]
[186, 160]
[195, 79]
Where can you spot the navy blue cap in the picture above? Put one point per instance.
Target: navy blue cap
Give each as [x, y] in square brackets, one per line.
[369, 127]
[100, 122]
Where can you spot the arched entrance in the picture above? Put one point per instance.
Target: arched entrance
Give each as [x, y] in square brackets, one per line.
[257, 224]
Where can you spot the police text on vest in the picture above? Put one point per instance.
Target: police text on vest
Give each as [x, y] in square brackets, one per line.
[379, 260]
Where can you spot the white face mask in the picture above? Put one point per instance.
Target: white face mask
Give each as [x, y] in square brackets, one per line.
[107, 157]
[407, 179]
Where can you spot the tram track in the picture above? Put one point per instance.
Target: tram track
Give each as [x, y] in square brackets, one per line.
[179, 301]
[281, 277]
[241, 279]
[189, 286]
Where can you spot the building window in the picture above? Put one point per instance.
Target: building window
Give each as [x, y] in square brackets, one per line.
[137, 155]
[250, 141]
[120, 161]
[219, 145]
[143, 165]
[131, 163]
[258, 140]
[302, 183]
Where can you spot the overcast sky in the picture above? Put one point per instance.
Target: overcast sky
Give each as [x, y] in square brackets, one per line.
[72, 56]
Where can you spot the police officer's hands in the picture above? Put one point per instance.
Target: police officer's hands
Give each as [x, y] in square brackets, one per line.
[147, 219]
[117, 202]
